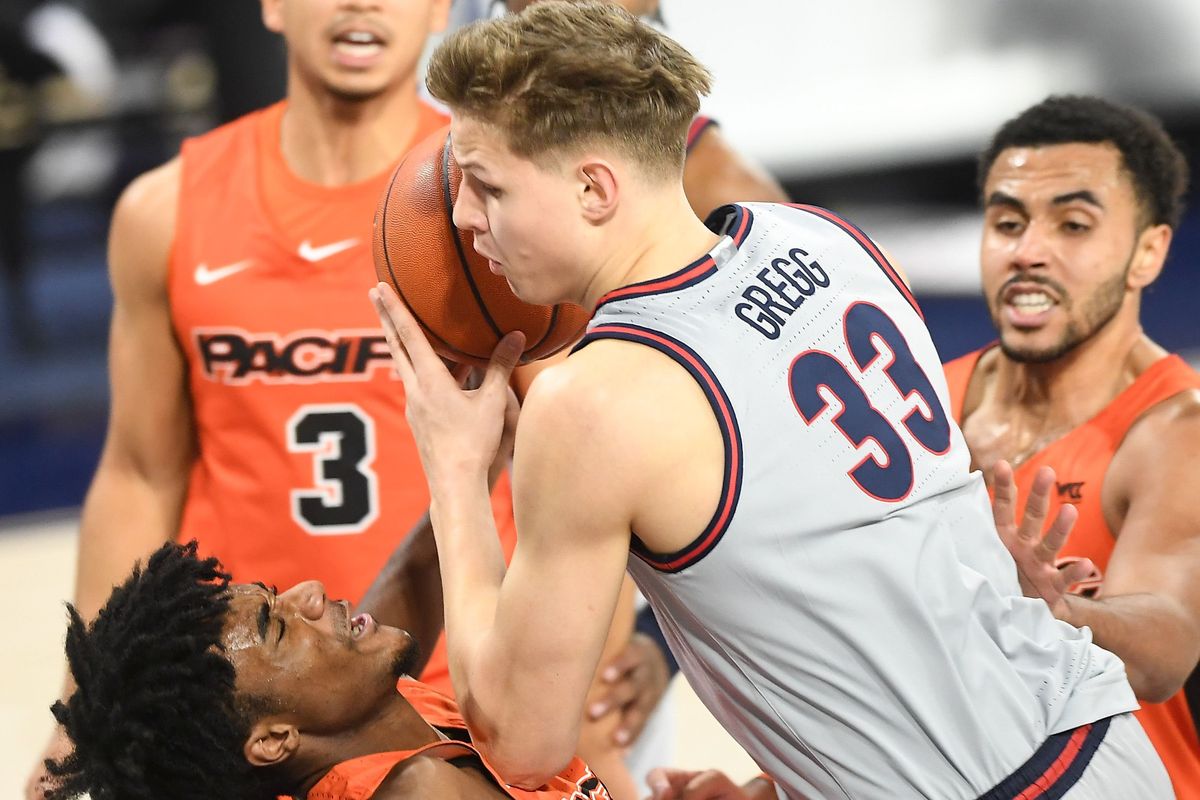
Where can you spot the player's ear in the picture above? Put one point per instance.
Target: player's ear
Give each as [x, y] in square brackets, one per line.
[271, 743]
[598, 189]
[1149, 255]
[272, 15]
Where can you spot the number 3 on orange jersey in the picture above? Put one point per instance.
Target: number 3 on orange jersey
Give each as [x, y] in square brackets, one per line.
[345, 494]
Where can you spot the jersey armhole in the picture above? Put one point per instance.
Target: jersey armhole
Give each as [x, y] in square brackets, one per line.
[731, 483]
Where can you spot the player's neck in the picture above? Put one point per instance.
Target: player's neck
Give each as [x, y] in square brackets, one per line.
[397, 726]
[332, 141]
[1074, 388]
[657, 235]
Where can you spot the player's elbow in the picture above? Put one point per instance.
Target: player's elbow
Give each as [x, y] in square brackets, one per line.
[1156, 676]
[1157, 684]
[529, 761]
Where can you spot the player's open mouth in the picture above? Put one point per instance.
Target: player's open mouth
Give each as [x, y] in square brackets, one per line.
[362, 625]
[357, 47]
[1028, 306]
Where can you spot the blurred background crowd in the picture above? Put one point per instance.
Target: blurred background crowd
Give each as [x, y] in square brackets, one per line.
[873, 109]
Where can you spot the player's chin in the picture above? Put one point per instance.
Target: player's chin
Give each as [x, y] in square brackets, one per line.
[529, 292]
[354, 87]
[404, 655]
[1036, 347]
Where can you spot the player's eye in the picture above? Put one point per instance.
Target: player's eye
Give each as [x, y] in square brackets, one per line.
[489, 190]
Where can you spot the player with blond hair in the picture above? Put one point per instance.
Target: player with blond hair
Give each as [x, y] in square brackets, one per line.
[758, 413]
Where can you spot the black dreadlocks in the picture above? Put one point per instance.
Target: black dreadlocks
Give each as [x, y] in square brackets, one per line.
[155, 714]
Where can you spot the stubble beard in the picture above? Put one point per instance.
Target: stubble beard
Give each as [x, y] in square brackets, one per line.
[1098, 311]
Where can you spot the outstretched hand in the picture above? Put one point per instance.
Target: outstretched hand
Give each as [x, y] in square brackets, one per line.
[1037, 554]
[459, 431]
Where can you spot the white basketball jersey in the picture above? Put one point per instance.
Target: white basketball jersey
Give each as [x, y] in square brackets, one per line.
[850, 614]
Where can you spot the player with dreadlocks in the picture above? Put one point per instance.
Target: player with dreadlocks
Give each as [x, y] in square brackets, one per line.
[192, 687]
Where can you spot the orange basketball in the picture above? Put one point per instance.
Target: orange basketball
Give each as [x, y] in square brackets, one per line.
[464, 308]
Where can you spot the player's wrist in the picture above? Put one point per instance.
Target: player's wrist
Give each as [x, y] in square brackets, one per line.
[450, 477]
[1069, 610]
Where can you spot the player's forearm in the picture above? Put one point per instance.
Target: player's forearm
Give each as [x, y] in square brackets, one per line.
[522, 729]
[495, 664]
[407, 592]
[472, 568]
[125, 517]
[1150, 633]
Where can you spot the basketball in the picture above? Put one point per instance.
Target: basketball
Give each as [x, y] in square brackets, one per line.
[462, 306]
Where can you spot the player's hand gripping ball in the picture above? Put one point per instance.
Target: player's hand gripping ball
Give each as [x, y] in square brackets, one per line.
[463, 307]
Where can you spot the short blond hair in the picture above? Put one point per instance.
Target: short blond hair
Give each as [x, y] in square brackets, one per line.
[562, 75]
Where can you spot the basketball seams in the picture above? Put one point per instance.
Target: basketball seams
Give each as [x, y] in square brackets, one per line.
[387, 262]
[531, 349]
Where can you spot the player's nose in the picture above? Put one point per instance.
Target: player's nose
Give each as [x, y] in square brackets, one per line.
[306, 599]
[1031, 249]
[468, 209]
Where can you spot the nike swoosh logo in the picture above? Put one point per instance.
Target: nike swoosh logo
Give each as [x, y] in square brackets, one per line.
[204, 276]
[310, 253]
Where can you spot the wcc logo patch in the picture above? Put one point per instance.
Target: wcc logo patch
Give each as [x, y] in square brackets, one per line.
[1070, 492]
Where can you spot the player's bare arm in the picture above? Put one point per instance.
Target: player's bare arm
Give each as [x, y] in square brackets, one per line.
[134, 501]
[716, 174]
[587, 441]
[519, 664]
[1148, 608]
[137, 493]
[407, 592]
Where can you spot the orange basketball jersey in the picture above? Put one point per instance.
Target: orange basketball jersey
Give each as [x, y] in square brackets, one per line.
[306, 467]
[1080, 460]
[357, 779]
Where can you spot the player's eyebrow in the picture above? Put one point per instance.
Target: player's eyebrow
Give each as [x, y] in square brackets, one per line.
[1085, 195]
[1005, 199]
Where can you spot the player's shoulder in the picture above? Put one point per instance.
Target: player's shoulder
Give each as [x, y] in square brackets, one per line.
[146, 208]
[605, 369]
[146, 194]
[1166, 431]
[143, 230]
[1175, 415]
[1167, 386]
[610, 388]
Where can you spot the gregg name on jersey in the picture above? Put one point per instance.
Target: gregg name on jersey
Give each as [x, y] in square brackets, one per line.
[779, 290]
